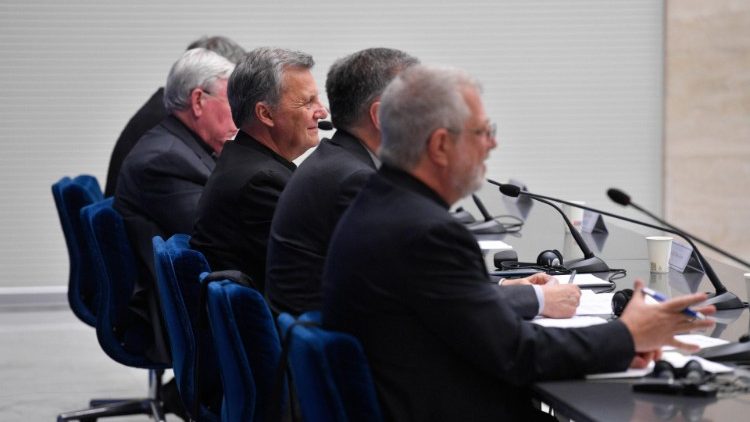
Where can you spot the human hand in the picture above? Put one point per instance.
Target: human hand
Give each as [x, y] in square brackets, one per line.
[642, 359]
[560, 300]
[540, 278]
[653, 326]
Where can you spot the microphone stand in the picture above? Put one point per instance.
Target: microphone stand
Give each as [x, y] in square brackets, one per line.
[697, 239]
[590, 263]
[722, 299]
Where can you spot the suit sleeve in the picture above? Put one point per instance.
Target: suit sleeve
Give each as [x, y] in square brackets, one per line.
[474, 319]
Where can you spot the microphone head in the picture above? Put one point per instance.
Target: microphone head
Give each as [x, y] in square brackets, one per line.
[510, 190]
[325, 125]
[618, 196]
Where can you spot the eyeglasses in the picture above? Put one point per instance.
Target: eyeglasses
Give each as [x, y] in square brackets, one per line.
[489, 131]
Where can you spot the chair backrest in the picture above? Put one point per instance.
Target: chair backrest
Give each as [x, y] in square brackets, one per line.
[330, 372]
[70, 196]
[248, 347]
[123, 335]
[178, 268]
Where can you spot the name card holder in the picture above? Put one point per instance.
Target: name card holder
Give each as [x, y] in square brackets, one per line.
[593, 222]
[683, 258]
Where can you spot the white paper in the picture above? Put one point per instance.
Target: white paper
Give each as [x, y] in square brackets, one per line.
[586, 280]
[494, 245]
[576, 321]
[697, 339]
[595, 303]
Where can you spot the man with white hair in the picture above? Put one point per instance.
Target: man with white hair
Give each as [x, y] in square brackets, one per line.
[409, 281]
[162, 178]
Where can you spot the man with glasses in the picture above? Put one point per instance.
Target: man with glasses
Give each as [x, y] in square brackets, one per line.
[409, 281]
[162, 177]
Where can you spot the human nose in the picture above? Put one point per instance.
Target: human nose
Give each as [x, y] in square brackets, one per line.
[321, 111]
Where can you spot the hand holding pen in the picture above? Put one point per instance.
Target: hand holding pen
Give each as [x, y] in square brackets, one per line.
[654, 326]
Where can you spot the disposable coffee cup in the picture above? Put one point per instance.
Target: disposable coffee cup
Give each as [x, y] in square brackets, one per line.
[659, 250]
[574, 214]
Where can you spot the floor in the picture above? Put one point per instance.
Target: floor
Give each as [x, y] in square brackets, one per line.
[50, 362]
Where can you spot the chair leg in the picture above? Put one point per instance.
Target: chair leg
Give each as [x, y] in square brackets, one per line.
[111, 407]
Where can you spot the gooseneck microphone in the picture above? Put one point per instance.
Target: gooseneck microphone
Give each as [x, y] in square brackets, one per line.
[489, 225]
[623, 199]
[722, 299]
[590, 263]
[325, 125]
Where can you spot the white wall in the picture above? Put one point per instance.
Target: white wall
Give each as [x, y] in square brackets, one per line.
[567, 81]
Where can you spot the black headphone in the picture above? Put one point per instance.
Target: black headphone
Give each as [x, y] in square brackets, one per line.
[620, 300]
[550, 258]
[691, 373]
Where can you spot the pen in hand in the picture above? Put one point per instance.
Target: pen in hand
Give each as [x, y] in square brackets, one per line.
[572, 277]
[661, 298]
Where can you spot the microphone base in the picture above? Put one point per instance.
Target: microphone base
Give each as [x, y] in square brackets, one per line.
[726, 300]
[486, 227]
[587, 265]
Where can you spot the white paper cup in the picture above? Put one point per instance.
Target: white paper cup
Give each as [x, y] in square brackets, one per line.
[747, 284]
[659, 250]
[574, 214]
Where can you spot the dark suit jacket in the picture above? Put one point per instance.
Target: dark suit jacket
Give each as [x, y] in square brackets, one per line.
[409, 282]
[157, 194]
[148, 116]
[235, 211]
[308, 210]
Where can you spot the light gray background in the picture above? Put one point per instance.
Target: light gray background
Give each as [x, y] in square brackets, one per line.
[575, 86]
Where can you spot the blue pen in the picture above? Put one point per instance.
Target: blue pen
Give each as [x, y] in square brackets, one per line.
[660, 298]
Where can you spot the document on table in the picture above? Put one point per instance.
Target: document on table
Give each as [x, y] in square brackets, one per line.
[576, 321]
[594, 303]
[584, 280]
[494, 245]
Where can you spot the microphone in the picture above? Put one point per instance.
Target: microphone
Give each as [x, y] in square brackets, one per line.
[325, 125]
[722, 299]
[590, 263]
[489, 225]
[623, 199]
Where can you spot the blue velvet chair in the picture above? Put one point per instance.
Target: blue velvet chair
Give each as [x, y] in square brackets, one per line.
[177, 274]
[330, 372]
[70, 196]
[249, 351]
[122, 335]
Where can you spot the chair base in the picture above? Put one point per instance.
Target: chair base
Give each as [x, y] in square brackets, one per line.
[101, 408]
[133, 407]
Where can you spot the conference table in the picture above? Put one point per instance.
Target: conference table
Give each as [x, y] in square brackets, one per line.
[621, 247]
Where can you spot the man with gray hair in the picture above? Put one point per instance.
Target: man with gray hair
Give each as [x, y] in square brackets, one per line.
[327, 181]
[442, 342]
[162, 178]
[275, 104]
[153, 111]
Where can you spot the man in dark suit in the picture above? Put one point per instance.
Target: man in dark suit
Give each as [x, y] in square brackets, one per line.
[162, 178]
[153, 111]
[409, 281]
[275, 104]
[329, 179]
